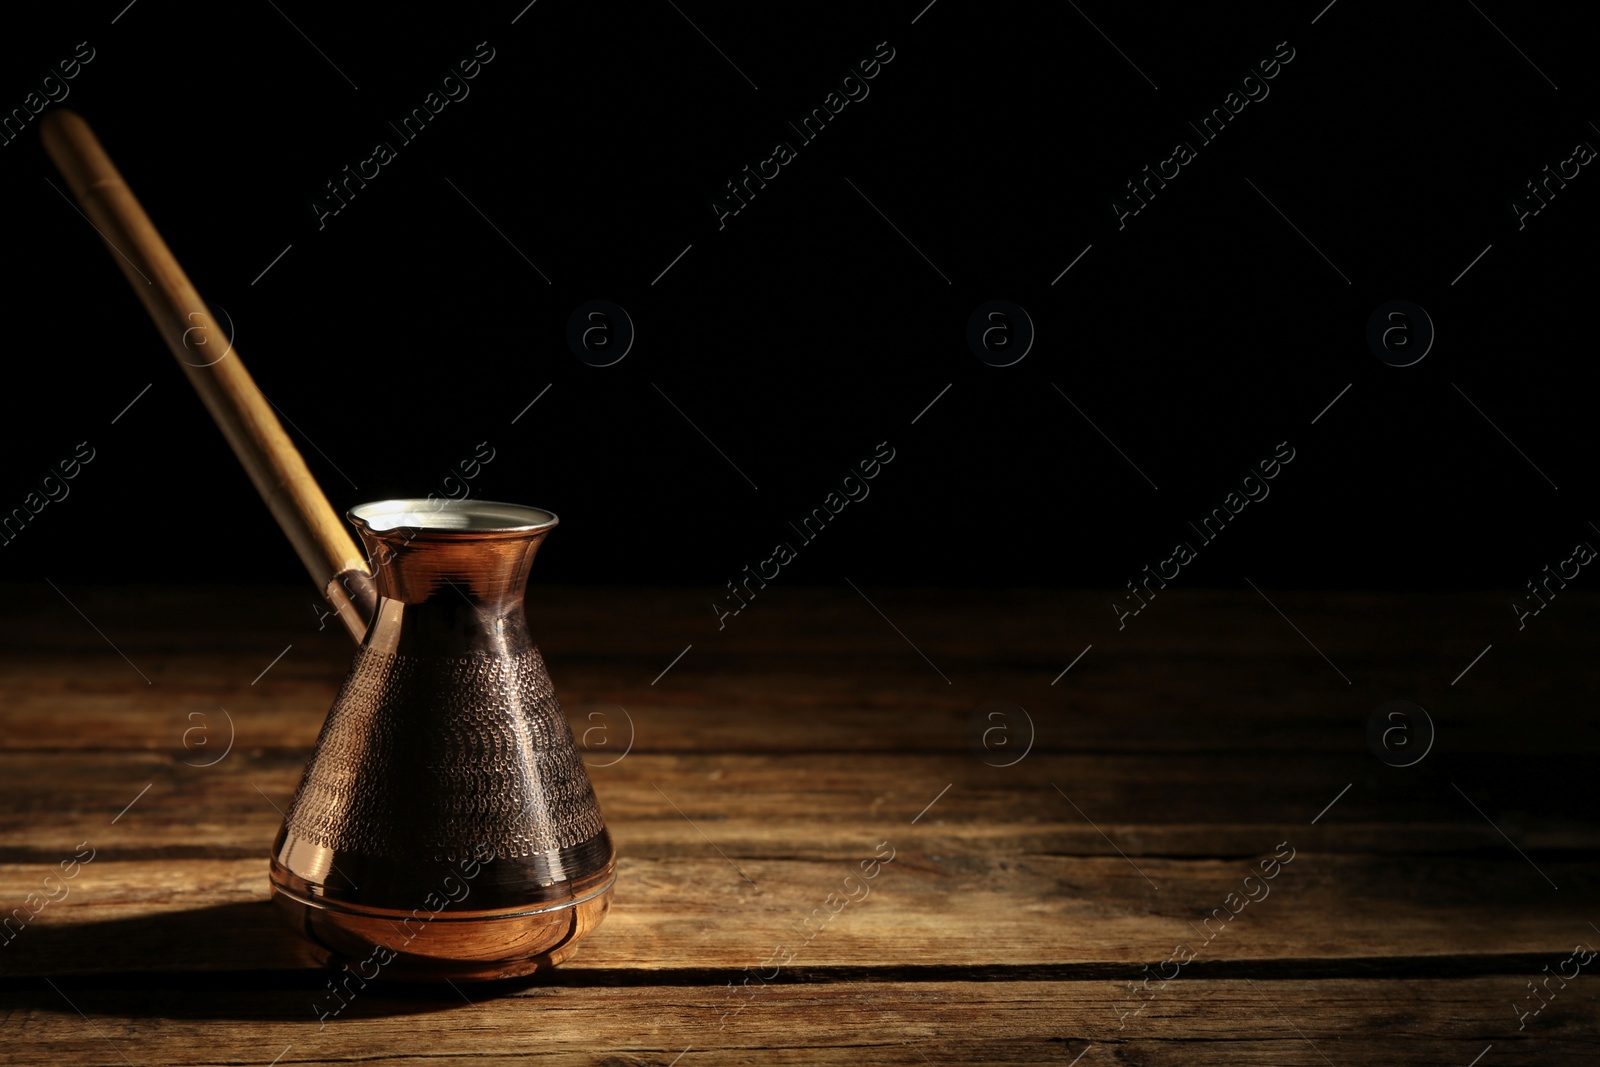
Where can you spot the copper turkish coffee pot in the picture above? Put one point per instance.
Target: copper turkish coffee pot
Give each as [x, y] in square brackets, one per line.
[445, 827]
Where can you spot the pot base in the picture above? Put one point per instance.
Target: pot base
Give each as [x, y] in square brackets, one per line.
[419, 946]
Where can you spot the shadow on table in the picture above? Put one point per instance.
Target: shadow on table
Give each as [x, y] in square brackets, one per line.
[227, 961]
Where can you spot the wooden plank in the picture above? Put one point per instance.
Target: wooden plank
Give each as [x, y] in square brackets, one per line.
[1009, 926]
[1335, 914]
[816, 670]
[824, 805]
[1193, 1021]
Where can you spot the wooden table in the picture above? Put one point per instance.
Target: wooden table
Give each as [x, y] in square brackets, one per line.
[1410, 911]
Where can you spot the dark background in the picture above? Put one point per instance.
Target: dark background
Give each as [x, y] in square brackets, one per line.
[808, 330]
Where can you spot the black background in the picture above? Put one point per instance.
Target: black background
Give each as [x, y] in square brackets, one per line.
[407, 329]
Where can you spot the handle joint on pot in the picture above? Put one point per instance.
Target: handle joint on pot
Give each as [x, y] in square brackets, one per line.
[355, 597]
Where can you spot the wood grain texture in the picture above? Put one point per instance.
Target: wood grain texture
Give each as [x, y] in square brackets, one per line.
[826, 806]
[1372, 1022]
[811, 669]
[1022, 903]
[953, 908]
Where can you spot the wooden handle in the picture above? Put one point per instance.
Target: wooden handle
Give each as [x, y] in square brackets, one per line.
[241, 412]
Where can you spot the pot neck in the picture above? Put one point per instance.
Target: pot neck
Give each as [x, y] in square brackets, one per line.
[416, 566]
[465, 550]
